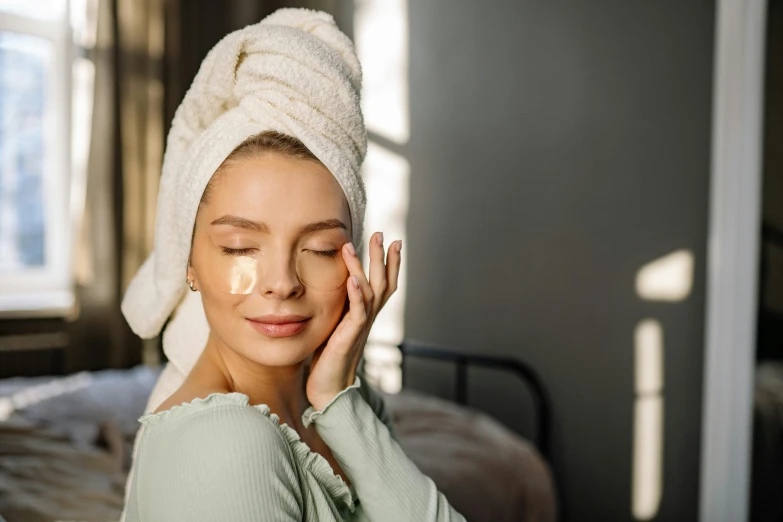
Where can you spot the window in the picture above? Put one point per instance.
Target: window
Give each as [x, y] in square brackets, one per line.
[36, 228]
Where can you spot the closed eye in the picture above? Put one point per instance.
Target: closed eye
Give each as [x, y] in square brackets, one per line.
[236, 251]
[325, 253]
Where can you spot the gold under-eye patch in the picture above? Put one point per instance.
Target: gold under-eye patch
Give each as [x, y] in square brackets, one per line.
[243, 275]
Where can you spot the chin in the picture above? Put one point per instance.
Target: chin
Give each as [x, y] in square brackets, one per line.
[286, 351]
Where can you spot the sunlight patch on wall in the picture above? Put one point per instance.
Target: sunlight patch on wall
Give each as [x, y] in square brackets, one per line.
[647, 474]
[669, 278]
[666, 279]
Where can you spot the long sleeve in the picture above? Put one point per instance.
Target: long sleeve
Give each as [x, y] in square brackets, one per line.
[378, 405]
[224, 463]
[388, 484]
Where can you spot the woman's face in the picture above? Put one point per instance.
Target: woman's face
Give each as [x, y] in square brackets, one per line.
[259, 208]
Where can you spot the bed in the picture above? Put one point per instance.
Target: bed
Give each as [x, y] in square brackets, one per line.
[66, 444]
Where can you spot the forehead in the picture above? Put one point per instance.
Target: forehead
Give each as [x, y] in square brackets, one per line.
[274, 188]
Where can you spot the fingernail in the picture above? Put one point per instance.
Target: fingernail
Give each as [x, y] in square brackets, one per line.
[355, 281]
[351, 250]
[399, 245]
[379, 238]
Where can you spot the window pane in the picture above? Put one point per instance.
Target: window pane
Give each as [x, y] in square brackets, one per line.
[39, 9]
[23, 66]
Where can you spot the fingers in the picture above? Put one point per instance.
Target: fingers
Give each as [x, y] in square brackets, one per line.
[377, 269]
[357, 312]
[384, 271]
[393, 260]
[355, 268]
[350, 328]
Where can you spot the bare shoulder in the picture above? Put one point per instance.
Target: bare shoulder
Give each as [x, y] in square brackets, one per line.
[188, 392]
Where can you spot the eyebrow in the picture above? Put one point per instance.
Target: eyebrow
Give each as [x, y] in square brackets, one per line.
[257, 226]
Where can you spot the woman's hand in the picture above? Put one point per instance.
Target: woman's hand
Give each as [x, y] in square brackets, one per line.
[333, 367]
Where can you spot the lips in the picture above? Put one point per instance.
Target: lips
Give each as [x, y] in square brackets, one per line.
[279, 319]
[279, 325]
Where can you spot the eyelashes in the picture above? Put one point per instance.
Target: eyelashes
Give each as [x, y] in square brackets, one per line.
[247, 251]
[325, 253]
[235, 251]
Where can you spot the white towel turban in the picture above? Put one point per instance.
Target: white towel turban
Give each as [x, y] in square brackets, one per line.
[295, 73]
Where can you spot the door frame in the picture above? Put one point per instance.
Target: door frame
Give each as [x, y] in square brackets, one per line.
[732, 259]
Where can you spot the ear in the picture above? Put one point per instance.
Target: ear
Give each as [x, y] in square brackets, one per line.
[191, 275]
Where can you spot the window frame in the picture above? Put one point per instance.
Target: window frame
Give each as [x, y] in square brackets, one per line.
[48, 290]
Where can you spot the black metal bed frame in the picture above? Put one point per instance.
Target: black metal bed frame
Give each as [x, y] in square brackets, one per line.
[462, 360]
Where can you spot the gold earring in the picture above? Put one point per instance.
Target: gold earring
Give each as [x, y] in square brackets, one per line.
[190, 283]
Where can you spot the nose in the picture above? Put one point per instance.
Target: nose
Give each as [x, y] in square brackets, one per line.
[279, 279]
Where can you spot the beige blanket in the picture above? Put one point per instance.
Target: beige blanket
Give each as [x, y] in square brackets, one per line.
[486, 471]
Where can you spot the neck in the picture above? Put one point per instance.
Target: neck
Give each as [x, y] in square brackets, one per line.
[282, 388]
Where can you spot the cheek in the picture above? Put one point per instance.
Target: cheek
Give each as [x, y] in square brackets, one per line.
[214, 290]
[330, 306]
[220, 309]
[220, 306]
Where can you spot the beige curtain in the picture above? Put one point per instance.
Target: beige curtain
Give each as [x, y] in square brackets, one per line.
[141, 44]
[121, 183]
[140, 32]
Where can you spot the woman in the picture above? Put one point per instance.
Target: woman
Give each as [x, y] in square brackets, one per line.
[261, 203]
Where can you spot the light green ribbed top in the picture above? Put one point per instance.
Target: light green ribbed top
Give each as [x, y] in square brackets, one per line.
[222, 459]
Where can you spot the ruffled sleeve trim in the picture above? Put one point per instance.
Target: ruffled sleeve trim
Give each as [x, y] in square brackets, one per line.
[309, 415]
[178, 411]
[318, 466]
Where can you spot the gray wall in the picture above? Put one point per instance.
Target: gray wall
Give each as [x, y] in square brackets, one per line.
[556, 147]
